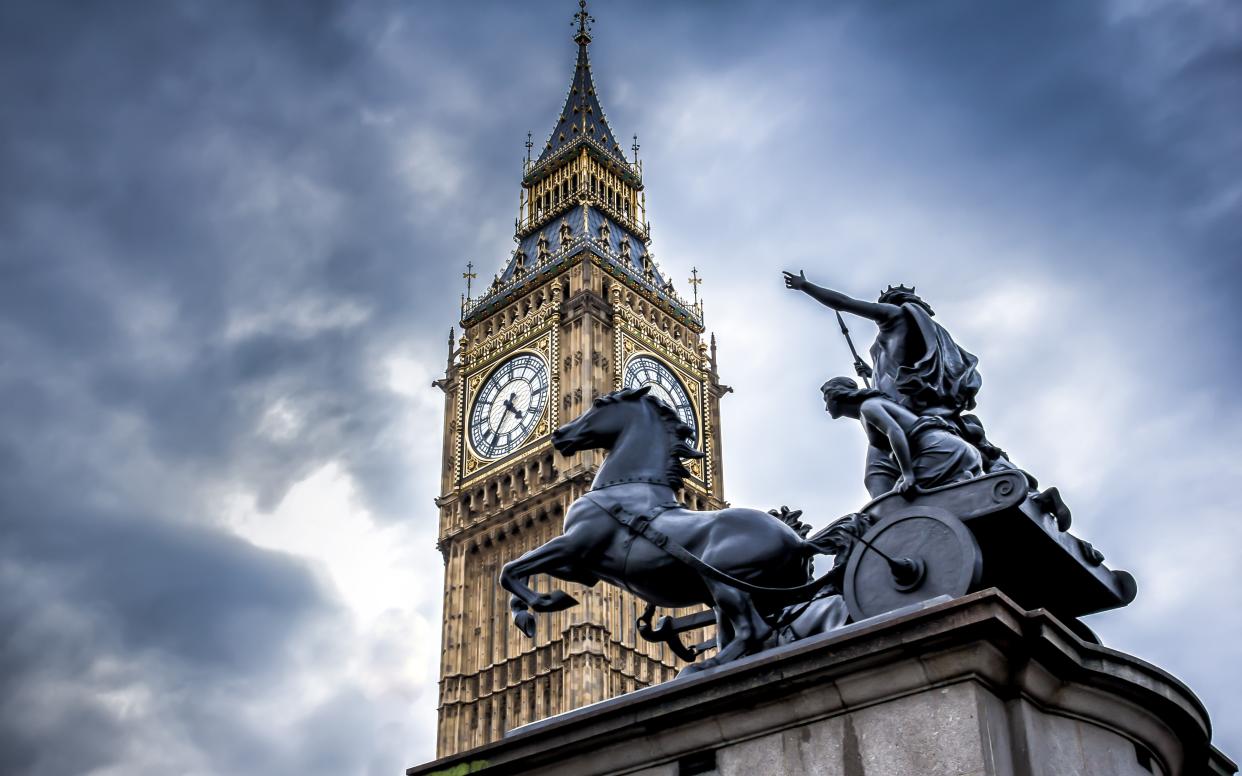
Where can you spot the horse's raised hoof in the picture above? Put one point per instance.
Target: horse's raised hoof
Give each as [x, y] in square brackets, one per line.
[525, 622]
[555, 601]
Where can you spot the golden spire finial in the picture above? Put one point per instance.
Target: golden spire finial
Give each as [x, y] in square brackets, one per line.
[694, 283]
[584, 20]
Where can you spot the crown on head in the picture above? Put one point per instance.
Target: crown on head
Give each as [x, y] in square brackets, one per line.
[898, 289]
[901, 295]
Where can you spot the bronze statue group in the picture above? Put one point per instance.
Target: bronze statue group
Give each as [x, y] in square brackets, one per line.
[923, 382]
[754, 568]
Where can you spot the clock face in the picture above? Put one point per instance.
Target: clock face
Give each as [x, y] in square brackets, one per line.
[509, 405]
[645, 370]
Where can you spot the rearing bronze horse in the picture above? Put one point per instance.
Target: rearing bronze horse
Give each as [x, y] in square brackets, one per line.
[646, 441]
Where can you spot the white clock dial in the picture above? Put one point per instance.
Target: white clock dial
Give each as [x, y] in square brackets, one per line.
[509, 405]
[645, 370]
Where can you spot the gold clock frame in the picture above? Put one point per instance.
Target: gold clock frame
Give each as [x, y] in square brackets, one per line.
[540, 427]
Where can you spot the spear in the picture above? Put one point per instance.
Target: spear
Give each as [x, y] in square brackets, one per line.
[859, 365]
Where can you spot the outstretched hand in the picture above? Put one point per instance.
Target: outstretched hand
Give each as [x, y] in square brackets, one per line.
[796, 282]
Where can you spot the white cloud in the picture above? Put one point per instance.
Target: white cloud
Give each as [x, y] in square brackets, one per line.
[384, 580]
[301, 316]
[433, 162]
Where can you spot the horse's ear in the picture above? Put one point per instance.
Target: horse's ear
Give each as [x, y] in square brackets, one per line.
[641, 391]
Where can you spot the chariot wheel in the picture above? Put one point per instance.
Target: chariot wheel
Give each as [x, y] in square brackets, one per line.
[909, 557]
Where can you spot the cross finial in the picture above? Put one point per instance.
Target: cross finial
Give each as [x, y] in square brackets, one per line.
[469, 275]
[635, 148]
[585, 20]
[529, 145]
[694, 283]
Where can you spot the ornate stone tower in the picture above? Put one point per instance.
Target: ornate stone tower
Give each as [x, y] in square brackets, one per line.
[580, 309]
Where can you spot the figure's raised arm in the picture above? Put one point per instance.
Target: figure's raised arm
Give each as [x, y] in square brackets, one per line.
[876, 311]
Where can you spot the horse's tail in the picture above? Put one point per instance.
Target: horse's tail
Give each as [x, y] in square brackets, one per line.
[820, 546]
[837, 540]
[839, 537]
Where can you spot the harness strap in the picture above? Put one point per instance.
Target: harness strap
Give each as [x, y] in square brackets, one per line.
[628, 480]
[641, 525]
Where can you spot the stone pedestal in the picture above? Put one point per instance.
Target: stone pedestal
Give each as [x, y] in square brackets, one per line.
[966, 687]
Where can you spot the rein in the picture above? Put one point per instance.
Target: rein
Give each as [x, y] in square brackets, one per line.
[641, 525]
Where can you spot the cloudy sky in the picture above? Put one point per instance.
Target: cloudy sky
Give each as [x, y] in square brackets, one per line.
[231, 239]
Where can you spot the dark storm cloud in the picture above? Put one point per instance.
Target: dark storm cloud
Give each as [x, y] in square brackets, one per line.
[210, 210]
[100, 603]
[1138, 106]
[178, 178]
[158, 584]
[208, 160]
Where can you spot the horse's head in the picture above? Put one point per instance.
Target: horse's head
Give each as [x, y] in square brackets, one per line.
[600, 425]
[657, 438]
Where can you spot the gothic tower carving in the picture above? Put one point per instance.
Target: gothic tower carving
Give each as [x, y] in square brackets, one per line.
[580, 309]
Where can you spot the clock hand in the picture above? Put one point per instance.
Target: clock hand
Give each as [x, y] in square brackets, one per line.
[509, 406]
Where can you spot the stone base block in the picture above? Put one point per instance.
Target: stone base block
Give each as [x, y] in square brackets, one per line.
[970, 687]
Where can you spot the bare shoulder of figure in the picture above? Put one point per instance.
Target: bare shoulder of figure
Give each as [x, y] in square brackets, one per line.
[874, 407]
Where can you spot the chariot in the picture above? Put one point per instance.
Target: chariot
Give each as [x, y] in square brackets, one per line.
[990, 531]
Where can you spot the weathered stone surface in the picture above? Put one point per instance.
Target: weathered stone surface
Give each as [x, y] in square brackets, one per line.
[970, 687]
[933, 733]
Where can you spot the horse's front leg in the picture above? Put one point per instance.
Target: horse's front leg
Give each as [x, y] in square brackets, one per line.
[554, 559]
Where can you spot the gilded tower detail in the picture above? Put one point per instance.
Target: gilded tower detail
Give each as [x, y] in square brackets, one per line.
[580, 309]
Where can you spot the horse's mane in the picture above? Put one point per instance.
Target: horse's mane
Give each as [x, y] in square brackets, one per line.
[679, 433]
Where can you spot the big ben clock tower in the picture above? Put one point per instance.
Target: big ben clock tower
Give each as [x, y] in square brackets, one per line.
[579, 309]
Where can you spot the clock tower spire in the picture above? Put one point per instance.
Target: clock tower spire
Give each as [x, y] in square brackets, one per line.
[579, 309]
